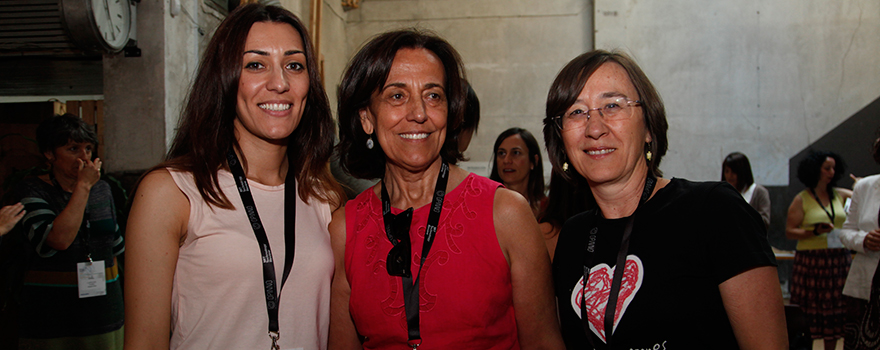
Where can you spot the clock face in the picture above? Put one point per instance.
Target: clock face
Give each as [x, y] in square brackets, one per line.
[113, 18]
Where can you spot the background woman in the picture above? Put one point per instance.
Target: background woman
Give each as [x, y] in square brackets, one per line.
[861, 233]
[737, 171]
[198, 266]
[821, 262]
[71, 220]
[465, 269]
[518, 165]
[671, 263]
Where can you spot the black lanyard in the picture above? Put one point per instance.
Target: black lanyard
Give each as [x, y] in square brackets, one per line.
[272, 290]
[832, 214]
[411, 289]
[611, 306]
[85, 227]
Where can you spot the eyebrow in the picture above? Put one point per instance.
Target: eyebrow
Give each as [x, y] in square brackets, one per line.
[402, 85]
[264, 53]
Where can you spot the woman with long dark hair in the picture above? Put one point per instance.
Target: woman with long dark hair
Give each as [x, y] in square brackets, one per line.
[517, 164]
[229, 242]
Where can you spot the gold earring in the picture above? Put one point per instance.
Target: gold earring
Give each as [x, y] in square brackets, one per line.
[649, 155]
[565, 166]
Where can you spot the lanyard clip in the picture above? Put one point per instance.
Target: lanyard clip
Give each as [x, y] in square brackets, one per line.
[89, 256]
[275, 336]
[414, 343]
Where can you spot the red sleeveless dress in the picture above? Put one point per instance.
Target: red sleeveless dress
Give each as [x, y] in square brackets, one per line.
[465, 293]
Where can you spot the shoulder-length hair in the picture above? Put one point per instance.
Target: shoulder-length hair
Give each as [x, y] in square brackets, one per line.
[367, 72]
[739, 165]
[206, 131]
[536, 174]
[809, 167]
[568, 85]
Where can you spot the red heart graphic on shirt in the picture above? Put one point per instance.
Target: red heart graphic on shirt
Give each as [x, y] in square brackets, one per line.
[601, 276]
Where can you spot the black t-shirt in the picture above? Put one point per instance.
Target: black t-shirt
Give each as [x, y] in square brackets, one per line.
[686, 240]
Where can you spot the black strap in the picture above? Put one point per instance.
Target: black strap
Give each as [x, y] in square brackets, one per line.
[832, 214]
[410, 288]
[271, 287]
[611, 306]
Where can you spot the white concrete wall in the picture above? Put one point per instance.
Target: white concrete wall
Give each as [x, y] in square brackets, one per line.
[763, 78]
[766, 78]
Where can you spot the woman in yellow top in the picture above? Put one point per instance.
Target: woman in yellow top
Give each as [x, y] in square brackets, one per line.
[821, 263]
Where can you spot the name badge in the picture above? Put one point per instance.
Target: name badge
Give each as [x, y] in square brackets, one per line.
[92, 279]
[834, 239]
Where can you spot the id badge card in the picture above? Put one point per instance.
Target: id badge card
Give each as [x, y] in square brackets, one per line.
[92, 279]
[834, 239]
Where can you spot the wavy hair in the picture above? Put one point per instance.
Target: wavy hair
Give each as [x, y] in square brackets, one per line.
[367, 72]
[206, 131]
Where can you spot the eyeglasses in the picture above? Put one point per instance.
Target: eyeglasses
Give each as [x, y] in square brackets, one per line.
[612, 110]
[399, 258]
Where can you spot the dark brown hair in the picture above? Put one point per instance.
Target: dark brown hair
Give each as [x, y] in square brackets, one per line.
[57, 131]
[206, 131]
[739, 165]
[568, 85]
[536, 174]
[367, 72]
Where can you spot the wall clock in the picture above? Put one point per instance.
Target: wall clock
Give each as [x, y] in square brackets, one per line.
[98, 25]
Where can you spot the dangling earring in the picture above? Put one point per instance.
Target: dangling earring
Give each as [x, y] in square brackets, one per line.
[369, 142]
[565, 166]
[649, 155]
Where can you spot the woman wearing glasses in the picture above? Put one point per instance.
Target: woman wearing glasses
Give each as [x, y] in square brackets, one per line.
[668, 263]
[464, 267]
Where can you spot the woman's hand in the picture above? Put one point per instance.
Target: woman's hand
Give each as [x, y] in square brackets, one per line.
[89, 173]
[872, 240]
[9, 216]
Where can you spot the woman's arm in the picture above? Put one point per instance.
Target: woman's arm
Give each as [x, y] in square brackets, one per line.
[526, 253]
[753, 302]
[343, 334]
[794, 220]
[158, 219]
[66, 225]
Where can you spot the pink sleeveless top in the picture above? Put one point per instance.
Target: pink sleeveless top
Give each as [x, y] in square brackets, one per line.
[465, 293]
[217, 299]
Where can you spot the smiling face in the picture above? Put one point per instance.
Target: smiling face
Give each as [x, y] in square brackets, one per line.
[65, 160]
[408, 114]
[608, 152]
[273, 85]
[512, 160]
